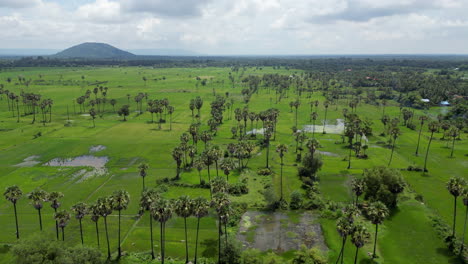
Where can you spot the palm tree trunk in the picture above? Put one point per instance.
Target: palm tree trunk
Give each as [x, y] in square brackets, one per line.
[151, 236]
[97, 234]
[419, 137]
[342, 254]
[119, 248]
[350, 150]
[427, 152]
[375, 240]
[453, 147]
[107, 238]
[196, 240]
[341, 251]
[355, 255]
[56, 225]
[16, 221]
[454, 214]
[325, 121]
[281, 180]
[186, 241]
[81, 233]
[219, 240]
[391, 155]
[267, 153]
[40, 219]
[162, 247]
[63, 233]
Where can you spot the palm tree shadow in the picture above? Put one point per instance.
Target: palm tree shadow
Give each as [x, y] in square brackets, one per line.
[446, 252]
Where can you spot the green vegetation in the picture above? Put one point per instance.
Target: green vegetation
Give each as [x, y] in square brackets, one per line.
[144, 147]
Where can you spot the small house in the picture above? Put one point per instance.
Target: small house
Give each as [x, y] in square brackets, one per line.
[425, 100]
[444, 103]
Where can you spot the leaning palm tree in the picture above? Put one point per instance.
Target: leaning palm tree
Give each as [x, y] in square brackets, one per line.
[184, 208]
[377, 212]
[281, 149]
[142, 170]
[104, 207]
[53, 198]
[433, 127]
[325, 104]
[38, 197]
[80, 210]
[344, 227]
[94, 211]
[62, 219]
[221, 204]
[359, 237]
[394, 133]
[358, 186]
[161, 210]
[422, 119]
[455, 186]
[149, 196]
[200, 209]
[13, 194]
[120, 201]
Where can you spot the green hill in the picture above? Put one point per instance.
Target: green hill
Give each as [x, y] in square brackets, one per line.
[91, 50]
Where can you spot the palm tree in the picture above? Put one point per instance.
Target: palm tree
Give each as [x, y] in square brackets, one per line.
[200, 209]
[80, 210]
[38, 197]
[422, 119]
[142, 169]
[177, 155]
[433, 126]
[53, 198]
[344, 227]
[394, 133]
[94, 210]
[184, 208]
[281, 149]
[221, 204]
[62, 219]
[13, 194]
[313, 116]
[455, 186]
[119, 202]
[147, 198]
[104, 207]
[465, 203]
[377, 212]
[358, 186]
[198, 164]
[227, 165]
[325, 104]
[454, 133]
[161, 210]
[93, 114]
[359, 237]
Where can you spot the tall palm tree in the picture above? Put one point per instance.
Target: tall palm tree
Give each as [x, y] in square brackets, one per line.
[377, 212]
[62, 219]
[200, 209]
[13, 194]
[358, 186]
[394, 133]
[325, 104]
[184, 208]
[314, 117]
[148, 197]
[120, 201]
[53, 198]
[38, 197]
[80, 210]
[433, 127]
[104, 205]
[161, 210]
[142, 168]
[359, 237]
[227, 165]
[221, 204]
[422, 119]
[95, 213]
[455, 186]
[344, 227]
[281, 149]
[465, 203]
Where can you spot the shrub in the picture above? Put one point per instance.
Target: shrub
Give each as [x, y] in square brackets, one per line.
[264, 172]
[296, 200]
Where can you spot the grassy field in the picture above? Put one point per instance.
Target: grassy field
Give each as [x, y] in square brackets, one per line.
[407, 236]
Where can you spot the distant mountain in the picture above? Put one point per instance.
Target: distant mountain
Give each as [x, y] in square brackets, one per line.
[91, 50]
[163, 52]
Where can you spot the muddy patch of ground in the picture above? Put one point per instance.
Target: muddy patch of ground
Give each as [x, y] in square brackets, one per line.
[94, 149]
[29, 162]
[331, 129]
[279, 232]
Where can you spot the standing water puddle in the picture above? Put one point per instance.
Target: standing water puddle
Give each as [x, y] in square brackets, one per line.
[276, 231]
[85, 160]
[331, 129]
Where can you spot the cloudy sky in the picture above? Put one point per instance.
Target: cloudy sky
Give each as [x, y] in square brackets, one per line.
[241, 26]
